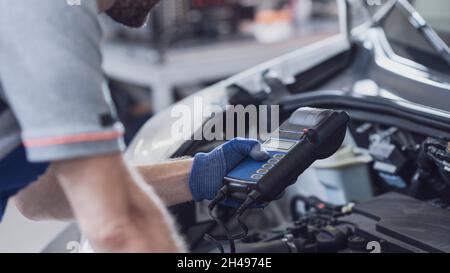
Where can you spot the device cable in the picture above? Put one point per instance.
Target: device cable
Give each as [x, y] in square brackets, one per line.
[221, 195]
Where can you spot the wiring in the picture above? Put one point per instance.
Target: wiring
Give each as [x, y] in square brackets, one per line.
[216, 239]
[221, 195]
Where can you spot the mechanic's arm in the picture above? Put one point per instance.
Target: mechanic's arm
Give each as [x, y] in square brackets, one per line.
[45, 199]
[102, 193]
[201, 178]
[106, 195]
[174, 181]
[169, 180]
[55, 86]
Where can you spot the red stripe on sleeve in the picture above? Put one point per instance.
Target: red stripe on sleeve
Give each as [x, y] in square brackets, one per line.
[42, 142]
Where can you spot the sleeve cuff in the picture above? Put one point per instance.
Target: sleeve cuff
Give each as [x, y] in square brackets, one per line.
[66, 151]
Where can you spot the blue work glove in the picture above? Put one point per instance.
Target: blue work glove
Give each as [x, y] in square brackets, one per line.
[209, 169]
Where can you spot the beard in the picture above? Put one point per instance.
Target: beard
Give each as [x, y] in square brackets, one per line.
[132, 13]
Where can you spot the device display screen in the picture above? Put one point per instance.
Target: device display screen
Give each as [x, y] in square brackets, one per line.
[279, 144]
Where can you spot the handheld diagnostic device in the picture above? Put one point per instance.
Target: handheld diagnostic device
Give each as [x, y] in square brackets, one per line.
[308, 135]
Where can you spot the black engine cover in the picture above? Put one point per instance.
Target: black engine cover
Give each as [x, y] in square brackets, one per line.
[403, 224]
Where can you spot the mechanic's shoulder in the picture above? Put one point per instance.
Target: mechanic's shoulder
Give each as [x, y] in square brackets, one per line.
[47, 11]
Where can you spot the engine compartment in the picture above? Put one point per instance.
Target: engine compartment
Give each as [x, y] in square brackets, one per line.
[404, 205]
[385, 190]
[389, 223]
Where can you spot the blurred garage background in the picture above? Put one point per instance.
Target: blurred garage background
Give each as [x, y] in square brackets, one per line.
[187, 45]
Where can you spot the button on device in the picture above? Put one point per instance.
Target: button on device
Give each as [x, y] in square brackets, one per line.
[278, 156]
[267, 166]
[256, 176]
[262, 171]
[273, 161]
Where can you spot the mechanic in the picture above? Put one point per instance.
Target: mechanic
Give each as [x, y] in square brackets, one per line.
[59, 130]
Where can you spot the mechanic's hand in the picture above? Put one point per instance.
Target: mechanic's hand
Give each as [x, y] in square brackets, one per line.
[209, 169]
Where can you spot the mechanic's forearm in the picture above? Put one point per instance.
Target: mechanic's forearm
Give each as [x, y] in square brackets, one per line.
[113, 207]
[44, 199]
[169, 180]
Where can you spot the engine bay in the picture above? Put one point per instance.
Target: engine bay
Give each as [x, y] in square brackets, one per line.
[385, 190]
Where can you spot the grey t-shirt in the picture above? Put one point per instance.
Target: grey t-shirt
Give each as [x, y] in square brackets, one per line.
[55, 98]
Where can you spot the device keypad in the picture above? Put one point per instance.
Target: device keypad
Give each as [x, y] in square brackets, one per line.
[273, 161]
[278, 156]
[262, 171]
[255, 170]
[257, 176]
[275, 158]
